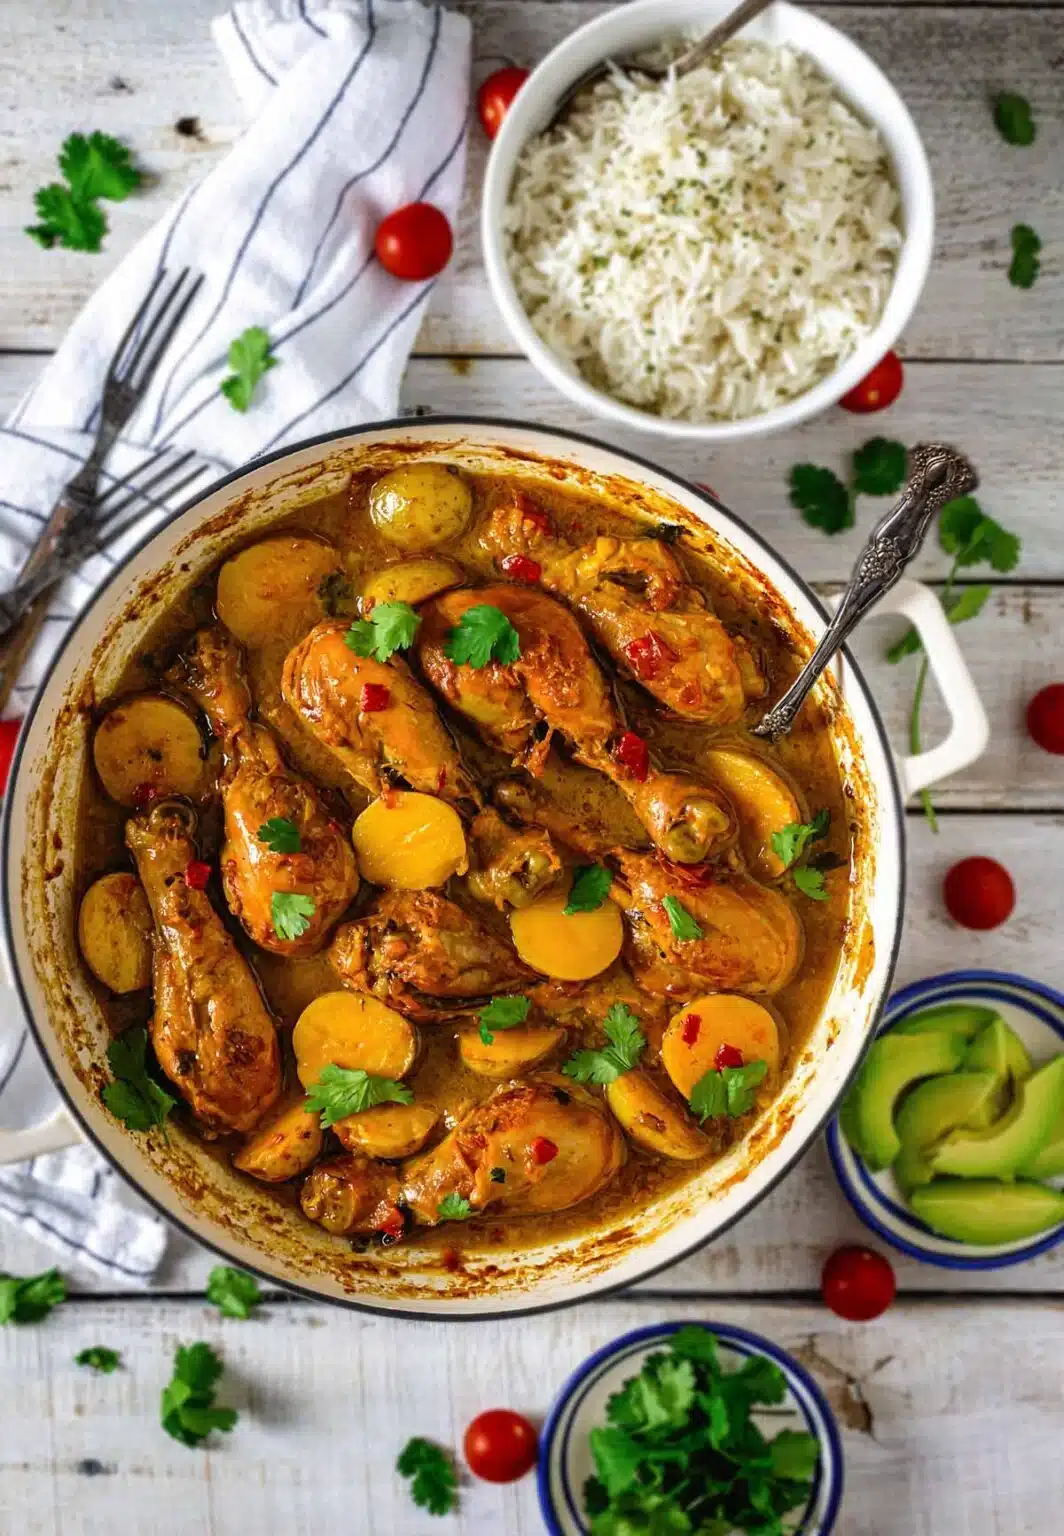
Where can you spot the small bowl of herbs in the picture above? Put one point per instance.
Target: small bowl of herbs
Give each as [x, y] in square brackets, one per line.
[690, 1427]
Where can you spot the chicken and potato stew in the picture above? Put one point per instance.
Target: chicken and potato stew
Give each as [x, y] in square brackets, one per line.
[428, 844]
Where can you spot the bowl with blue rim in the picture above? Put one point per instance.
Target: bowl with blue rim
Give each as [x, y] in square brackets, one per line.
[950, 1145]
[791, 1455]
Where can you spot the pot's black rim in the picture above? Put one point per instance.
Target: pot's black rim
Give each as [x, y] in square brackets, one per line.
[592, 1292]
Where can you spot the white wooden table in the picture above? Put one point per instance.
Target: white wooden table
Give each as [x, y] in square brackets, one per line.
[952, 1406]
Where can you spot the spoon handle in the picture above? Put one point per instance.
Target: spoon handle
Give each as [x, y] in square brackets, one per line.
[732, 23]
[937, 475]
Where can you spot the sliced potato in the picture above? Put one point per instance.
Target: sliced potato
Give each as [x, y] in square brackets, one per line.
[388, 1130]
[763, 803]
[689, 1049]
[412, 581]
[511, 1052]
[148, 741]
[568, 948]
[348, 1030]
[350, 1194]
[418, 506]
[410, 842]
[652, 1120]
[272, 587]
[284, 1144]
[115, 932]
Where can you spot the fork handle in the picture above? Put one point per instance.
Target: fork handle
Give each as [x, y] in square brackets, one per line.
[720, 34]
[15, 646]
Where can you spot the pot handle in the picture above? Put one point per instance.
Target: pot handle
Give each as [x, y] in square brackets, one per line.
[969, 729]
[51, 1135]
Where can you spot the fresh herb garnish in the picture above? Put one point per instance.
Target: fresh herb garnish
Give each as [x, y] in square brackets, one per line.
[879, 467]
[232, 1291]
[343, 1091]
[483, 634]
[187, 1405]
[280, 835]
[28, 1298]
[134, 1098]
[730, 1091]
[454, 1208]
[681, 922]
[390, 627]
[95, 166]
[627, 1043]
[498, 1175]
[590, 887]
[100, 1358]
[502, 1013]
[334, 590]
[680, 1453]
[968, 605]
[1012, 115]
[790, 842]
[1025, 265]
[435, 1486]
[249, 358]
[291, 913]
[810, 882]
[821, 498]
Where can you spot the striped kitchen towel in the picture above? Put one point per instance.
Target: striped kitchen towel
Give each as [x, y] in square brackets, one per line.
[356, 107]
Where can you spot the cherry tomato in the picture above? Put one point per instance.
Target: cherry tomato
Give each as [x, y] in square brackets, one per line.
[1045, 718]
[633, 753]
[500, 1446]
[495, 96]
[522, 568]
[858, 1284]
[543, 1150]
[979, 893]
[9, 730]
[414, 242]
[197, 875]
[692, 1025]
[877, 389]
[373, 698]
[727, 1056]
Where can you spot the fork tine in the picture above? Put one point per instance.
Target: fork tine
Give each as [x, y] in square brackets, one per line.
[113, 501]
[131, 329]
[103, 506]
[121, 524]
[144, 374]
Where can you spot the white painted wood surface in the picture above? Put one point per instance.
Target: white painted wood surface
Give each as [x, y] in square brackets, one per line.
[964, 1396]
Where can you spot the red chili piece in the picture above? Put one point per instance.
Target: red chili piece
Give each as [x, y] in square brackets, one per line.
[197, 874]
[533, 514]
[451, 1259]
[858, 1284]
[633, 753]
[373, 698]
[543, 1150]
[691, 1026]
[143, 796]
[522, 568]
[979, 893]
[392, 1223]
[9, 730]
[728, 1056]
[878, 389]
[648, 655]
[1045, 718]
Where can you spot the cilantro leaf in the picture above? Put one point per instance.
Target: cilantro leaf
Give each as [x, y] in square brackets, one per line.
[660, 1397]
[98, 166]
[681, 922]
[280, 835]
[879, 467]
[966, 533]
[454, 1208]
[291, 913]
[1025, 265]
[811, 883]
[134, 1098]
[790, 842]
[232, 1291]
[498, 1175]
[66, 221]
[617, 1456]
[343, 1091]
[968, 605]
[794, 1454]
[590, 887]
[187, 1405]
[1012, 115]
[249, 358]
[483, 634]
[639, 1512]
[435, 1486]
[100, 1358]
[821, 498]
[627, 1043]
[28, 1298]
[390, 627]
[334, 590]
[502, 1013]
[731, 1091]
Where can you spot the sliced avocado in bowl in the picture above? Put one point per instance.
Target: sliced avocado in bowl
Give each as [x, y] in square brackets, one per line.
[1047, 1163]
[893, 1063]
[1013, 1141]
[987, 1210]
[997, 1048]
[964, 1019]
[936, 1107]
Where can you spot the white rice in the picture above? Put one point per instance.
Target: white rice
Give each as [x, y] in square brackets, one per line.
[708, 247]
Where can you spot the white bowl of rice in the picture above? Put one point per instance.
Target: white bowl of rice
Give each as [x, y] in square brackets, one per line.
[716, 256]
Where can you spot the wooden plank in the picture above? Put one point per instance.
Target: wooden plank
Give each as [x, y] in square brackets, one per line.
[326, 1401]
[969, 310]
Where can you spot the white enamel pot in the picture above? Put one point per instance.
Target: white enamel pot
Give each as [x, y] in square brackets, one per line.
[245, 1222]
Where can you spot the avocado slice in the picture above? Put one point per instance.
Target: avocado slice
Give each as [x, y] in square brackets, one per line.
[893, 1062]
[1049, 1162]
[1014, 1140]
[936, 1107]
[997, 1048]
[987, 1210]
[964, 1019]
